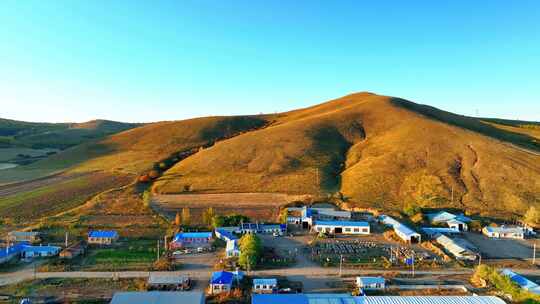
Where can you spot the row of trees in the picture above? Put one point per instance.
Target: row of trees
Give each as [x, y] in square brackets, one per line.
[210, 218]
[250, 251]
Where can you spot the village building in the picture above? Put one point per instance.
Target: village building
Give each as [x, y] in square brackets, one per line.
[341, 227]
[231, 241]
[434, 231]
[453, 221]
[168, 282]
[102, 237]
[504, 232]
[23, 236]
[307, 298]
[265, 285]
[158, 297]
[191, 239]
[370, 283]
[459, 248]
[73, 250]
[29, 251]
[221, 282]
[403, 232]
[10, 252]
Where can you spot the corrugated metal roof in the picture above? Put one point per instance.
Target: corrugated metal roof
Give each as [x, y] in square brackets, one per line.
[103, 234]
[264, 281]
[158, 297]
[506, 230]
[11, 250]
[431, 300]
[370, 280]
[522, 281]
[341, 223]
[405, 230]
[222, 277]
[192, 235]
[41, 248]
[166, 279]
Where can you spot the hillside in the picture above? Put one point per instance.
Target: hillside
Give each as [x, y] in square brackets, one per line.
[135, 150]
[35, 135]
[373, 151]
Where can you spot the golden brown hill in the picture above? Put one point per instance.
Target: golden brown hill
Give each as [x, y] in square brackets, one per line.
[134, 151]
[376, 151]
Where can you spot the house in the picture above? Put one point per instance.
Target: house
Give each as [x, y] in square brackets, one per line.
[504, 232]
[522, 281]
[23, 236]
[314, 298]
[73, 250]
[191, 239]
[158, 297]
[168, 282]
[102, 237]
[371, 283]
[221, 282]
[265, 285]
[11, 252]
[261, 228]
[341, 227]
[403, 232]
[30, 251]
[454, 221]
[231, 248]
[434, 231]
[459, 248]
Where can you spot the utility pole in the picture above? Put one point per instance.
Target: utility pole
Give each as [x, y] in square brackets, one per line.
[157, 259]
[340, 264]
[534, 253]
[452, 194]
[66, 240]
[413, 263]
[479, 259]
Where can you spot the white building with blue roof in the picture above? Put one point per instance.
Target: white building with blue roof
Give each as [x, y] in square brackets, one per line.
[341, 227]
[522, 281]
[102, 237]
[191, 239]
[221, 282]
[348, 299]
[265, 285]
[403, 232]
[10, 252]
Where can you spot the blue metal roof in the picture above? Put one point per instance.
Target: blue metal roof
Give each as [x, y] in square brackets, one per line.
[226, 234]
[348, 299]
[221, 277]
[522, 281]
[342, 223]
[103, 234]
[41, 248]
[264, 281]
[279, 299]
[14, 249]
[192, 235]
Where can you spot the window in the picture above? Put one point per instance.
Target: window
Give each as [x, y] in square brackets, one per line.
[347, 229]
[364, 230]
[356, 229]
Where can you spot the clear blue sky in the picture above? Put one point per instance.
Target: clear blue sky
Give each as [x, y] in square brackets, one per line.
[164, 60]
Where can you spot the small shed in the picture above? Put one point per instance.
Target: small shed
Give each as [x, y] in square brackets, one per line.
[265, 285]
[73, 250]
[221, 282]
[23, 236]
[102, 237]
[371, 283]
[168, 282]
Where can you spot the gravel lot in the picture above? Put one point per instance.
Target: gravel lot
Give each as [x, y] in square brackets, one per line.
[494, 248]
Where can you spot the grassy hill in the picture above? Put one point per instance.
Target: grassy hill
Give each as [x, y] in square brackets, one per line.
[373, 151]
[136, 150]
[34, 135]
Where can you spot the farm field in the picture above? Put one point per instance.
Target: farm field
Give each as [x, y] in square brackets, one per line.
[56, 196]
[7, 154]
[65, 290]
[262, 206]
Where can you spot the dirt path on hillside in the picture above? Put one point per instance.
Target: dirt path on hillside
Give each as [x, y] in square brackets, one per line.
[10, 189]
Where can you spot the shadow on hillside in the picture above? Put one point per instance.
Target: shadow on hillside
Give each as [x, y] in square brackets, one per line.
[470, 123]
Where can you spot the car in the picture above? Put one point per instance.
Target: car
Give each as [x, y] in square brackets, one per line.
[178, 252]
[200, 249]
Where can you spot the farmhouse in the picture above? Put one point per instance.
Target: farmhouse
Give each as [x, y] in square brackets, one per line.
[231, 248]
[341, 227]
[307, 298]
[168, 282]
[23, 236]
[460, 249]
[221, 282]
[261, 228]
[10, 252]
[102, 237]
[73, 251]
[265, 285]
[504, 232]
[191, 239]
[522, 281]
[370, 283]
[29, 251]
[158, 297]
[405, 233]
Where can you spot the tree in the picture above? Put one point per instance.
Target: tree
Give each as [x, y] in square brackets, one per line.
[218, 221]
[532, 216]
[283, 214]
[154, 174]
[250, 251]
[147, 197]
[177, 220]
[186, 216]
[208, 216]
[411, 208]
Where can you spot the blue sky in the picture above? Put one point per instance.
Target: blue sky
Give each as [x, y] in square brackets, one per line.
[164, 60]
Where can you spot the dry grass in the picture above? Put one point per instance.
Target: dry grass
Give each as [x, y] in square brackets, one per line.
[376, 150]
